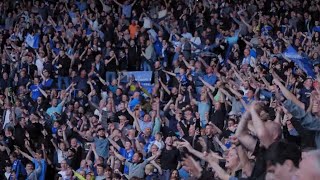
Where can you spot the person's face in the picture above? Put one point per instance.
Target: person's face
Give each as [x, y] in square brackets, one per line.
[136, 158]
[127, 145]
[146, 118]
[101, 133]
[157, 64]
[174, 174]
[232, 159]
[250, 94]
[188, 115]
[73, 142]
[154, 148]
[54, 102]
[230, 123]
[12, 159]
[108, 174]
[209, 70]
[209, 130]
[100, 170]
[308, 83]
[308, 167]
[61, 53]
[169, 141]
[246, 52]
[5, 76]
[192, 130]
[29, 168]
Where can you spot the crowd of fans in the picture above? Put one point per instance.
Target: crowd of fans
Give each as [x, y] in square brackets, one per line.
[226, 102]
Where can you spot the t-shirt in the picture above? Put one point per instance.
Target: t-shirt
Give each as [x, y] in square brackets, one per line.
[52, 110]
[35, 92]
[169, 159]
[43, 165]
[135, 169]
[144, 125]
[128, 155]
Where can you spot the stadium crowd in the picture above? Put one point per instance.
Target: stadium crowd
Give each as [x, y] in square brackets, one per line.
[235, 90]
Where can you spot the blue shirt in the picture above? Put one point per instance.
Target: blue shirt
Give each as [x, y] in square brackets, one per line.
[133, 103]
[35, 92]
[52, 110]
[102, 147]
[81, 6]
[212, 79]
[126, 10]
[128, 155]
[43, 165]
[183, 79]
[47, 83]
[18, 167]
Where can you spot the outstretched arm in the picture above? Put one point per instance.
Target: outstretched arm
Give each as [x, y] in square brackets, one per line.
[115, 1]
[261, 130]
[25, 155]
[288, 94]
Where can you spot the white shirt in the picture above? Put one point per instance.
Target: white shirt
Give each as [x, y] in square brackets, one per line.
[197, 41]
[39, 64]
[146, 23]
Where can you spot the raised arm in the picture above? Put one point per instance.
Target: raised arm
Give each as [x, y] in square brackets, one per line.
[25, 155]
[203, 62]
[242, 133]
[207, 84]
[262, 132]
[115, 1]
[225, 93]
[117, 155]
[170, 73]
[133, 3]
[114, 144]
[187, 64]
[165, 87]
[288, 94]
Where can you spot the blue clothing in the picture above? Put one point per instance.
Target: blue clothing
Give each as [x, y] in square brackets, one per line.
[81, 6]
[203, 107]
[35, 92]
[102, 147]
[126, 10]
[18, 167]
[47, 83]
[43, 165]
[316, 29]
[128, 155]
[144, 125]
[133, 103]
[112, 88]
[58, 109]
[183, 79]
[158, 47]
[306, 119]
[247, 101]
[212, 79]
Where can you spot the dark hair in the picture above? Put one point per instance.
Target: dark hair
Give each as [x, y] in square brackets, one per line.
[100, 165]
[281, 151]
[140, 155]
